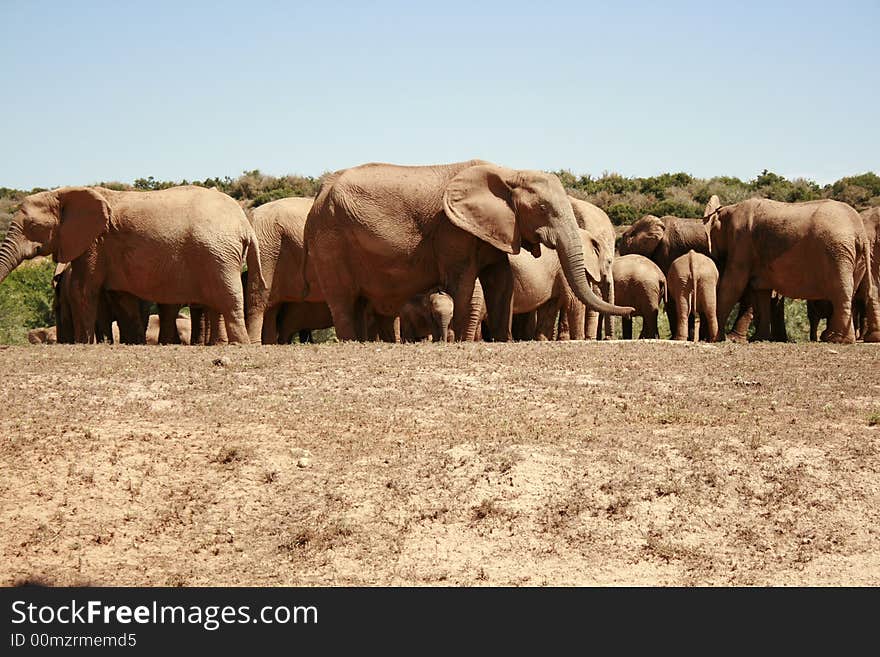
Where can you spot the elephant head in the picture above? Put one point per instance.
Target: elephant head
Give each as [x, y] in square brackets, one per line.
[510, 209]
[713, 222]
[62, 222]
[643, 237]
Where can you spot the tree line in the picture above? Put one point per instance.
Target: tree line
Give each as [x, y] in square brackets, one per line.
[625, 199]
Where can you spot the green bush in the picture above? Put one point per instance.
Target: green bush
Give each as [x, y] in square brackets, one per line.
[676, 209]
[26, 300]
[622, 213]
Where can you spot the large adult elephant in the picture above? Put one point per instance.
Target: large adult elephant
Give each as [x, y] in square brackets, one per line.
[175, 246]
[385, 233]
[822, 309]
[600, 243]
[279, 227]
[810, 250]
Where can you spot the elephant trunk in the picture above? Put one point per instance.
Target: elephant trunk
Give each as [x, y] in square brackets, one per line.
[11, 255]
[563, 236]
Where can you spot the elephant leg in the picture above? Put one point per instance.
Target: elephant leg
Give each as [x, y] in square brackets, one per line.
[840, 328]
[683, 330]
[691, 324]
[671, 316]
[626, 324]
[269, 325]
[575, 312]
[87, 301]
[813, 317]
[389, 328]
[730, 289]
[127, 310]
[546, 320]
[744, 315]
[563, 327]
[649, 325]
[235, 326]
[104, 319]
[200, 327]
[778, 332]
[608, 320]
[497, 282]
[708, 311]
[762, 302]
[214, 322]
[168, 323]
[591, 324]
[257, 304]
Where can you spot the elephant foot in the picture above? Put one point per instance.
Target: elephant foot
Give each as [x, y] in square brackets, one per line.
[836, 338]
[873, 336]
[739, 338]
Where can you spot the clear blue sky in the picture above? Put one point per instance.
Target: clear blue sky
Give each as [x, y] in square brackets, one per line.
[119, 90]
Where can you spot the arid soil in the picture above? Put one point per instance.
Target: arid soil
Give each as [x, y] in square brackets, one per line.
[644, 463]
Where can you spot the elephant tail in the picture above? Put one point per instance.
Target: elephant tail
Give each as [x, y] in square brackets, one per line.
[863, 278]
[693, 299]
[252, 255]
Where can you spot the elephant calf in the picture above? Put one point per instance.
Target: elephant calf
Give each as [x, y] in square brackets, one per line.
[692, 280]
[639, 283]
[43, 335]
[427, 314]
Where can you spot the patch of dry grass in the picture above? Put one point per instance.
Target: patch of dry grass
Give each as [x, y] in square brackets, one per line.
[467, 464]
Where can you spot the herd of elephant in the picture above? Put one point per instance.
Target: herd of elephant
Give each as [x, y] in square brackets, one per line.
[452, 252]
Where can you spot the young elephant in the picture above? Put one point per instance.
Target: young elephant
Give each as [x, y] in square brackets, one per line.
[639, 283]
[43, 335]
[692, 279]
[427, 314]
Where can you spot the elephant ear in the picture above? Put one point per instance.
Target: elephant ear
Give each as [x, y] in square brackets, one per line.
[591, 257]
[713, 204]
[479, 200]
[577, 210]
[645, 235]
[85, 215]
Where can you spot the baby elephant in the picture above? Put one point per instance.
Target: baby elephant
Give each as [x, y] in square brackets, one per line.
[639, 283]
[427, 314]
[43, 335]
[692, 280]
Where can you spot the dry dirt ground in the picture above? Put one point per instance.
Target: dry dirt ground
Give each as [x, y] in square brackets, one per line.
[616, 463]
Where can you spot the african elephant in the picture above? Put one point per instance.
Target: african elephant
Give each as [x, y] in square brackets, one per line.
[385, 233]
[691, 282]
[43, 335]
[126, 310]
[175, 246]
[279, 227]
[810, 250]
[301, 318]
[183, 328]
[822, 309]
[638, 282]
[601, 240]
[540, 287]
[426, 314]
